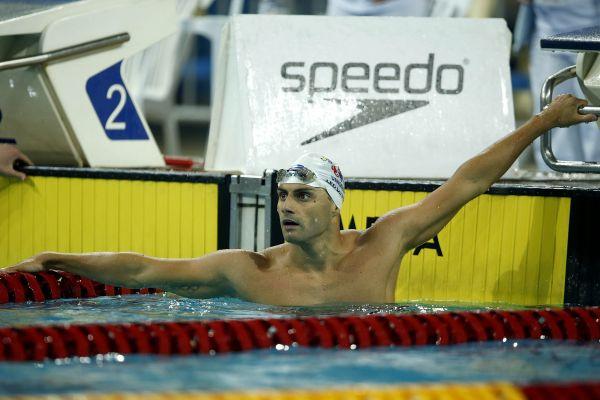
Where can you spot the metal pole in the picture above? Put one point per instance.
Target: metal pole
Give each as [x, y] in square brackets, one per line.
[66, 52]
[590, 110]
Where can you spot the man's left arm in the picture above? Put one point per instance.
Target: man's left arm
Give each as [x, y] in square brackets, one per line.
[415, 224]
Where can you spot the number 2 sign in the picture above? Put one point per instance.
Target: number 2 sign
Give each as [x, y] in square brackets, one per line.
[114, 106]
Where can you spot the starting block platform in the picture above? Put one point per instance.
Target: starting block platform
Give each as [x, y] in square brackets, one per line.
[63, 97]
[581, 40]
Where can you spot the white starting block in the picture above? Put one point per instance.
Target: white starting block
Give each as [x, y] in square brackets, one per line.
[586, 43]
[62, 96]
[382, 96]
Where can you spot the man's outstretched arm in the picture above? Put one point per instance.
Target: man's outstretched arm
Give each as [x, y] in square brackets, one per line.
[418, 223]
[208, 276]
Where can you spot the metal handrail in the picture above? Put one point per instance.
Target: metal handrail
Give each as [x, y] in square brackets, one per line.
[546, 140]
[65, 52]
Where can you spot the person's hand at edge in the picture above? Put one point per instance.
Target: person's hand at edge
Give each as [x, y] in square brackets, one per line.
[8, 155]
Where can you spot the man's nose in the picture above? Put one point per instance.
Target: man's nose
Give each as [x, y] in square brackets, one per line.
[287, 206]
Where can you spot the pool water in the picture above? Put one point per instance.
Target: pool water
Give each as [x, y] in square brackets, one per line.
[168, 307]
[285, 367]
[522, 362]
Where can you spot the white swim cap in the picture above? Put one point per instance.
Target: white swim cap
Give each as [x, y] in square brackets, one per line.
[327, 175]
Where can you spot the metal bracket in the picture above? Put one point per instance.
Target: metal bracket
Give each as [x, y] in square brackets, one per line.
[65, 52]
[546, 140]
[261, 190]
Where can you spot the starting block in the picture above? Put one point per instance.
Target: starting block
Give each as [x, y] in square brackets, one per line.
[62, 96]
[586, 43]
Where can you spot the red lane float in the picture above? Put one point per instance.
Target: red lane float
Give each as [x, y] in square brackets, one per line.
[19, 287]
[222, 336]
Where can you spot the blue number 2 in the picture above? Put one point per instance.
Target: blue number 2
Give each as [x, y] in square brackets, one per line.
[113, 105]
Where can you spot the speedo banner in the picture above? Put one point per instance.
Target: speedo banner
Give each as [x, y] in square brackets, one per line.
[382, 96]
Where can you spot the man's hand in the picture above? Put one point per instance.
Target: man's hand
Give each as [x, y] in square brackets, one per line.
[8, 155]
[563, 112]
[33, 264]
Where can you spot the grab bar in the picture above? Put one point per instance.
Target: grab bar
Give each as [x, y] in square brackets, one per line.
[65, 52]
[546, 140]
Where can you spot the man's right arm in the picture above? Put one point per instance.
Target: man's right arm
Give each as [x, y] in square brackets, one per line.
[209, 276]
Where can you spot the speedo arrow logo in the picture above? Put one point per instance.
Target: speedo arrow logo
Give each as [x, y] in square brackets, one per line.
[370, 111]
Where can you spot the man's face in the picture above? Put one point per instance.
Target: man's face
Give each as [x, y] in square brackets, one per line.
[304, 211]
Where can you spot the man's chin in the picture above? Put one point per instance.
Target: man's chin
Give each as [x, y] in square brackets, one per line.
[291, 237]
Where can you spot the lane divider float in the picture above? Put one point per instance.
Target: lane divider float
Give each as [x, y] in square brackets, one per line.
[353, 332]
[20, 287]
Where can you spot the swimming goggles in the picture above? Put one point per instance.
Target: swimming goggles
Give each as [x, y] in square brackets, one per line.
[303, 174]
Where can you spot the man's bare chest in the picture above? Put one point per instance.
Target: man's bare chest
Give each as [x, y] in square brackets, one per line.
[354, 281]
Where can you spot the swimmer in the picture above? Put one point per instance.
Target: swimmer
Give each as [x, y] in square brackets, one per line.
[318, 263]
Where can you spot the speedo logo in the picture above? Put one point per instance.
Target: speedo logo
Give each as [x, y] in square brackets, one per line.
[358, 77]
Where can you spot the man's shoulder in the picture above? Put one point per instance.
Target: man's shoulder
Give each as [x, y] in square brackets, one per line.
[274, 252]
[248, 258]
[237, 258]
[256, 259]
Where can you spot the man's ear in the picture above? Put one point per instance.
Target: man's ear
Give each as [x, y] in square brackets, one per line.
[334, 210]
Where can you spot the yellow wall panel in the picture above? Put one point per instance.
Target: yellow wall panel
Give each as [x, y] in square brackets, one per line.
[467, 249]
[112, 214]
[198, 213]
[498, 248]
[15, 205]
[148, 218]
[136, 217]
[4, 225]
[125, 223]
[27, 222]
[532, 274]
[186, 219]
[162, 218]
[482, 238]
[494, 253]
[100, 220]
[63, 192]
[453, 253]
[83, 215]
[173, 220]
[75, 225]
[87, 216]
[211, 225]
[507, 250]
[50, 223]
